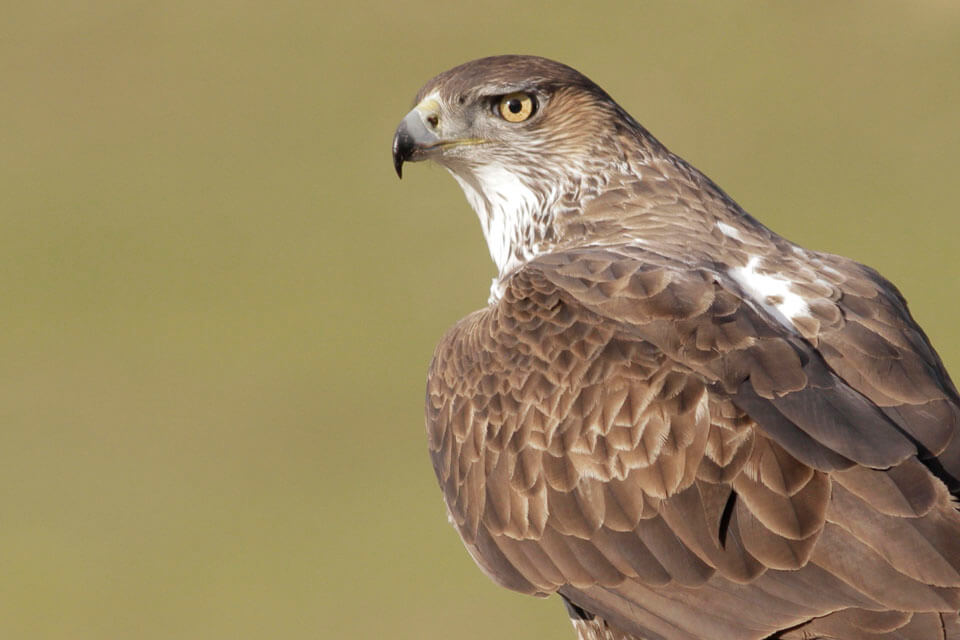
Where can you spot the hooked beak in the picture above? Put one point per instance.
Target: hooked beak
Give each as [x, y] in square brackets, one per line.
[421, 135]
[412, 140]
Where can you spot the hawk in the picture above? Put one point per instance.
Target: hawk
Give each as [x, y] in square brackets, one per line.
[686, 425]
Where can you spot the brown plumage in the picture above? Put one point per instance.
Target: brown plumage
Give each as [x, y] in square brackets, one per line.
[682, 423]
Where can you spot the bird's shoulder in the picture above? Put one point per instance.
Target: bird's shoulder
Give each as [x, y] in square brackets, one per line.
[566, 318]
[623, 419]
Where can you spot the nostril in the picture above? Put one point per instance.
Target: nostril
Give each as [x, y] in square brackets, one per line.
[433, 120]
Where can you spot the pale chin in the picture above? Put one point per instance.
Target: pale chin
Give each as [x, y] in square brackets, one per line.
[508, 210]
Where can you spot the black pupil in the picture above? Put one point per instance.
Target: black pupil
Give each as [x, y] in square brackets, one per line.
[515, 105]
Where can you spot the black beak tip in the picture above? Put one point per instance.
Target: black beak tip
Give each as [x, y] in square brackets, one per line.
[403, 147]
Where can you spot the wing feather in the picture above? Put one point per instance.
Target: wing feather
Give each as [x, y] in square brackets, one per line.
[641, 439]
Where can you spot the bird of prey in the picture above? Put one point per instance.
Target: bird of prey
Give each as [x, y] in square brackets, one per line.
[686, 425]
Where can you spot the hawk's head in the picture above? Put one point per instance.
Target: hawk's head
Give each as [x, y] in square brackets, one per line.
[525, 137]
[515, 112]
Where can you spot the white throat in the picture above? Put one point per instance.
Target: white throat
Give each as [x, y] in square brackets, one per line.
[513, 216]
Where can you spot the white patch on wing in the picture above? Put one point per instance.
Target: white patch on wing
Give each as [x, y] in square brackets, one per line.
[730, 232]
[771, 292]
[506, 207]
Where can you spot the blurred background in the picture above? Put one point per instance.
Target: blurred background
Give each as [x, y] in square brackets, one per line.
[219, 303]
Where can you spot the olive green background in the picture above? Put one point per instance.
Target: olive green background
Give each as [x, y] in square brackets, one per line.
[218, 302]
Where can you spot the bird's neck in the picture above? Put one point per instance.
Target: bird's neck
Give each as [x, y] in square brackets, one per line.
[524, 216]
[639, 200]
[517, 218]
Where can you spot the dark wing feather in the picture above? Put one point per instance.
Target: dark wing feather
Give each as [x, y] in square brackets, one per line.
[877, 347]
[641, 439]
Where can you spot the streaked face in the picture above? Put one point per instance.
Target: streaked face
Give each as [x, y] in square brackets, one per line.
[498, 112]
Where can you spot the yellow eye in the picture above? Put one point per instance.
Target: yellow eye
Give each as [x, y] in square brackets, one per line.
[516, 107]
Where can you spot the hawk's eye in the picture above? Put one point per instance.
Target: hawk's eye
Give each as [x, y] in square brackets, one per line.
[516, 107]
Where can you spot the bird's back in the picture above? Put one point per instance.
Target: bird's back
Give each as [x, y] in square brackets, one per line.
[682, 423]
